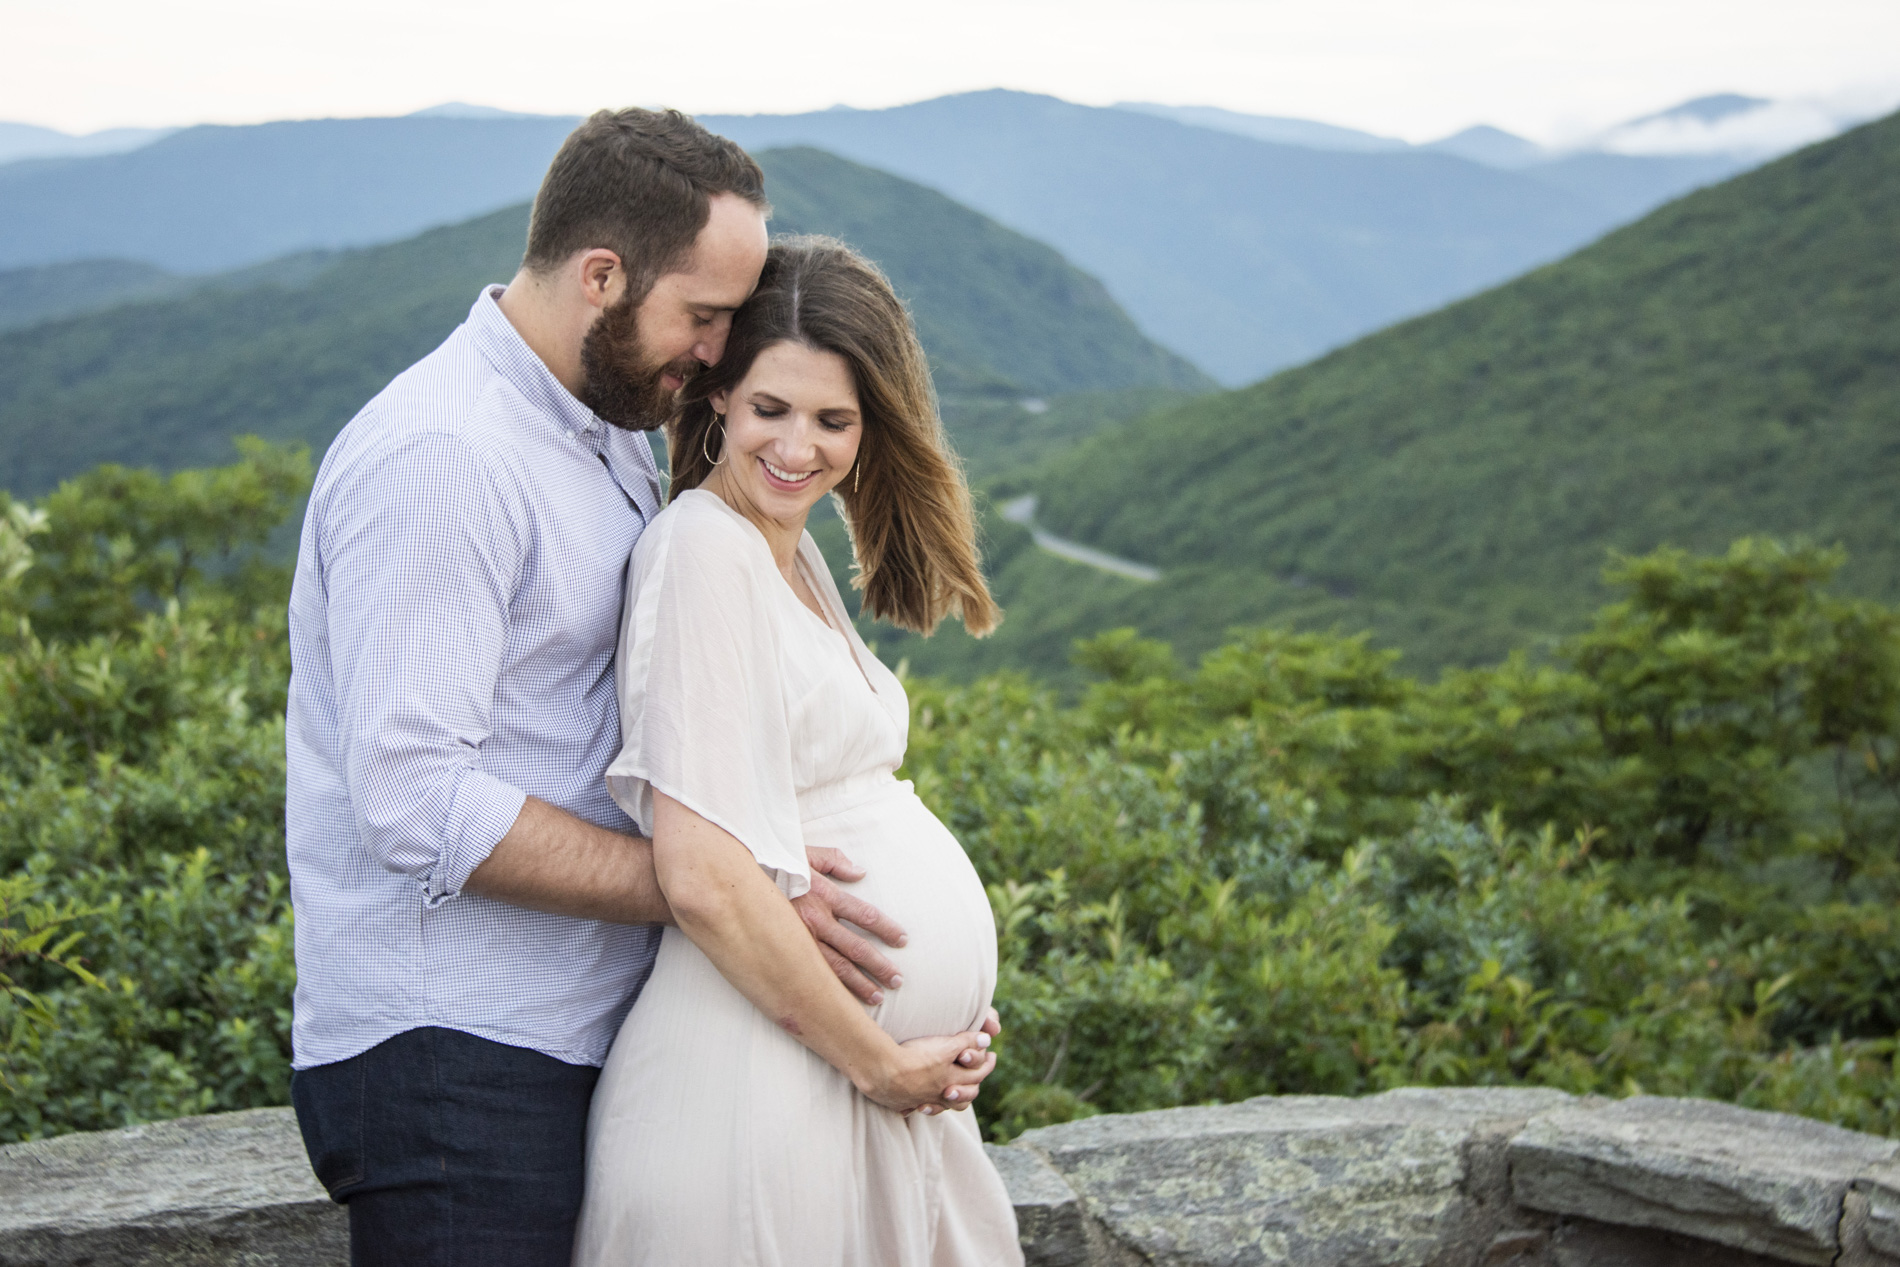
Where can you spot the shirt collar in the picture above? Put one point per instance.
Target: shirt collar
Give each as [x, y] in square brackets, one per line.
[514, 360]
[498, 341]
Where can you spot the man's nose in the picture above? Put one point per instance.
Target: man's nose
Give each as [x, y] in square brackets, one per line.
[709, 349]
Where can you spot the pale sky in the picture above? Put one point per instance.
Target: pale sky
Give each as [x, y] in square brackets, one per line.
[1548, 69]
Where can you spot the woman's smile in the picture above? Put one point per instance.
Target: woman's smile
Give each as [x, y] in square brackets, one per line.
[778, 476]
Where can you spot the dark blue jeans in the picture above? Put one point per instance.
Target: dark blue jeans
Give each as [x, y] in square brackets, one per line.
[450, 1150]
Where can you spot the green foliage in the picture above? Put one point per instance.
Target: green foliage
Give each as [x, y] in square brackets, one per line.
[1664, 856]
[1722, 367]
[1292, 869]
[144, 914]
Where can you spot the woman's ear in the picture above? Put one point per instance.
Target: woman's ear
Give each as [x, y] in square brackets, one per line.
[719, 400]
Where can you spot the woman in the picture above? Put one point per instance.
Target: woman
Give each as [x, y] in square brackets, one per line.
[752, 1111]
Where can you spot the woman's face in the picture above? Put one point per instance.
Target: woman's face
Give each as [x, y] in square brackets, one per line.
[792, 431]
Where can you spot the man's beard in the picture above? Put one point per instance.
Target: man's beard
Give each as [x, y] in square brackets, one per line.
[618, 382]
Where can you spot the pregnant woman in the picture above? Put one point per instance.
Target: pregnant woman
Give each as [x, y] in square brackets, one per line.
[752, 1111]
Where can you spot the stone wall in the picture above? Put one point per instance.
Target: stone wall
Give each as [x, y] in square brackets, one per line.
[1468, 1177]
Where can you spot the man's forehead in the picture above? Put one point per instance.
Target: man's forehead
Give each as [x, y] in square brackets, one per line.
[734, 236]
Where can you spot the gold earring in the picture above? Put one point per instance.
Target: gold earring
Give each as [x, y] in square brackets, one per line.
[857, 475]
[706, 439]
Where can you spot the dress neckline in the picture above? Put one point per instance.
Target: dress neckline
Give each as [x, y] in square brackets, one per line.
[822, 593]
[819, 589]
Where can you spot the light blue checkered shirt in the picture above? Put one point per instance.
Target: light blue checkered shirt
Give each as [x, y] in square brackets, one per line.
[452, 631]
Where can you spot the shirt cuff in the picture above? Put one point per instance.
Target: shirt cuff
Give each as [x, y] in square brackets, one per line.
[481, 813]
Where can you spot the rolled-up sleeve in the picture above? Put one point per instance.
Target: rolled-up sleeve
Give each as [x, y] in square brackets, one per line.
[421, 554]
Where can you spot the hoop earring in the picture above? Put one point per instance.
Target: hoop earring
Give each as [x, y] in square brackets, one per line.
[706, 438]
[857, 476]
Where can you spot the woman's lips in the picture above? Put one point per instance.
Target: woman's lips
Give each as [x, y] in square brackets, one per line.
[778, 481]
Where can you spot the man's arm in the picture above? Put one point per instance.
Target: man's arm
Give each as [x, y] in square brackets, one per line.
[552, 861]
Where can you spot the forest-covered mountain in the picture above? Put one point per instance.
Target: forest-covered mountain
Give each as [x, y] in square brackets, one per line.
[292, 350]
[1729, 365]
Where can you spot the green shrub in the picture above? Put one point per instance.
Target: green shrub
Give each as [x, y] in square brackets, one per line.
[1663, 856]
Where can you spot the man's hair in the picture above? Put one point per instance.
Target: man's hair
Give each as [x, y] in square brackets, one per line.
[639, 183]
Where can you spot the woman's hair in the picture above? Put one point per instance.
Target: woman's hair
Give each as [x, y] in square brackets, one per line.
[908, 509]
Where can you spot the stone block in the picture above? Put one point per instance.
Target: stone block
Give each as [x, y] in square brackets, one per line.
[219, 1191]
[1308, 1181]
[1583, 1243]
[1870, 1223]
[1051, 1222]
[1768, 1183]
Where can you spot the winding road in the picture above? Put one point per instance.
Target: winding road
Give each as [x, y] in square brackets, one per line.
[1022, 510]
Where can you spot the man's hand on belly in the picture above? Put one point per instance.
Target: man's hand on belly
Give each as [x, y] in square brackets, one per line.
[857, 962]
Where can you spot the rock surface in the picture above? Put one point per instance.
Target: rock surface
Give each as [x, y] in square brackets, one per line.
[1764, 1182]
[1298, 1179]
[1870, 1229]
[1468, 1177]
[233, 1189]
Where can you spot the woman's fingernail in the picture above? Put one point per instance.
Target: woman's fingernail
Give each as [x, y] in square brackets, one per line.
[951, 1094]
[903, 940]
[982, 1040]
[896, 982]
[877, 996]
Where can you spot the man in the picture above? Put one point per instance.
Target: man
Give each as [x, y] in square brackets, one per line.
[474, 914]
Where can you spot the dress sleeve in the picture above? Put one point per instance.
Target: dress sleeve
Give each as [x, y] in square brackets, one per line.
[703, 710]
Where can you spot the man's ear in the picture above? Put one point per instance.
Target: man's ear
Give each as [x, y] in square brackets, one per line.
[603, 280]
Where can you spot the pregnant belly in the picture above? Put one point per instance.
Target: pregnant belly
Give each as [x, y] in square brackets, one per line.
[918, 874]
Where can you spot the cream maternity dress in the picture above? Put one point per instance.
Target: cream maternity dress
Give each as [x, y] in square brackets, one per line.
[716, 1139]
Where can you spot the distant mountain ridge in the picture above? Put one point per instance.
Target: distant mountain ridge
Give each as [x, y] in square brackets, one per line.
[1241, 254]
[209, 198]
[28, 140]
[291, 349]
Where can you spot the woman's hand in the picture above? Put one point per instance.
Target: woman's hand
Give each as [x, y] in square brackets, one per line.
[928, 1074]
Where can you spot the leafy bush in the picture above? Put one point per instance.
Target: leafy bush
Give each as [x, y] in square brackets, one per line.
[1663, 858]
[143, 667]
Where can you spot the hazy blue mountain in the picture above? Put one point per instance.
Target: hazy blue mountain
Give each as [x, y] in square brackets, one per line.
[29, 140]
[1619, 186]
[1275, 128]
[1494, 147]
[1240, 254]
[292, 348]
[1710, 109]
[463, 110]
[213, 198]
[1626, 186]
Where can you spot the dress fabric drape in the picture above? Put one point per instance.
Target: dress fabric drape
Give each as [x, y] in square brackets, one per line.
[715, 1137]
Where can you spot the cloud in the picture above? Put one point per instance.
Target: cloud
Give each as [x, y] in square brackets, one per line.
[1772, 127]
